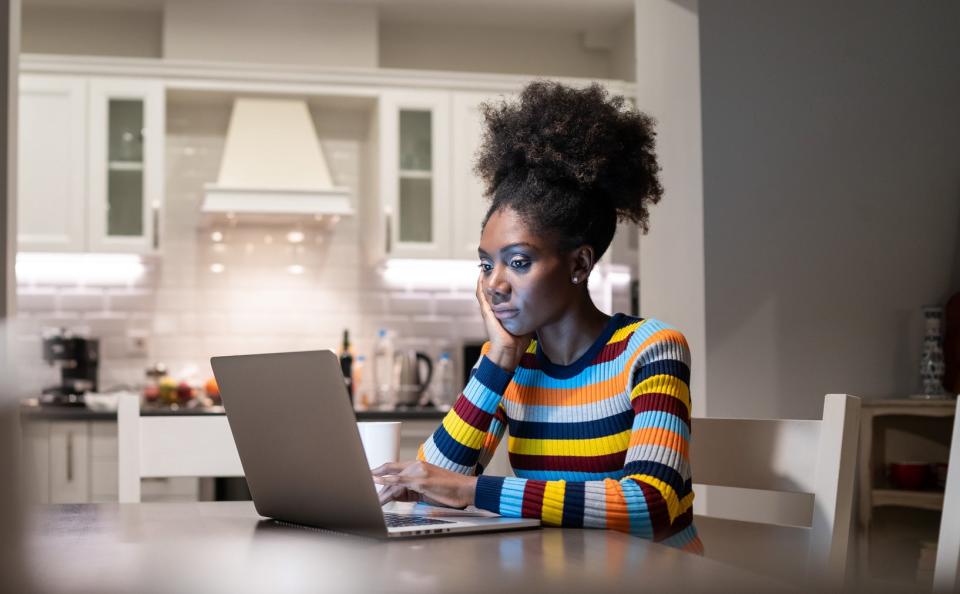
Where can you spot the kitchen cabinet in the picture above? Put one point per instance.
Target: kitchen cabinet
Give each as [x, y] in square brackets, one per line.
[52, 171]
[91, 164]
[75, 461]
[415, 173]
[432, 201]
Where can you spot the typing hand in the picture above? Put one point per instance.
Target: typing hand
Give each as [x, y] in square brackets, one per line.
[421, 481]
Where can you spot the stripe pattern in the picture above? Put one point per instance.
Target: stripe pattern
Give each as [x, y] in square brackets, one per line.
[600, 443]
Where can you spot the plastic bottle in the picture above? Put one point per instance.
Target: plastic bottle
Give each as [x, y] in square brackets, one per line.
[361, 384]
[445, 389]
[382, 368]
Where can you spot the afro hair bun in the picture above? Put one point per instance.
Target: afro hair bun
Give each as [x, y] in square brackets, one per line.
[559, 154]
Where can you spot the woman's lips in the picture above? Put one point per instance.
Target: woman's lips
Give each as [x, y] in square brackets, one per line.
[505, 314]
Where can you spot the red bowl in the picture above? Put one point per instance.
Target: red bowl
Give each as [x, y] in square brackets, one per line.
[911, 476]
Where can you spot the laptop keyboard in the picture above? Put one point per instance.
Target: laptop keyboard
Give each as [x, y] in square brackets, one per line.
[397, 520]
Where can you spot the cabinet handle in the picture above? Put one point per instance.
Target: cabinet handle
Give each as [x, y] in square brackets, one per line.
[70, 457]
[156, 225]
[389, 237]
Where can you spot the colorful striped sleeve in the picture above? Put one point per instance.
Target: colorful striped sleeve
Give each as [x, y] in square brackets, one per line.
[654, 497]
[469, 434]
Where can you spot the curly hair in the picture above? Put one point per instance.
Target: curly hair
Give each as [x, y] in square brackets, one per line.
[569, 161]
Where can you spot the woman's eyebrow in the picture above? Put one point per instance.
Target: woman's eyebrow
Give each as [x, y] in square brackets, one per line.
[509, 247]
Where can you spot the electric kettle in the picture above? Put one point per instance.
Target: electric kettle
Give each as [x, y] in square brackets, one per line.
[410, 384]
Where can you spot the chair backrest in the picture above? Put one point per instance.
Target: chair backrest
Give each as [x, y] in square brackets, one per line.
[946, 573]
[796, 456]
[170, 446]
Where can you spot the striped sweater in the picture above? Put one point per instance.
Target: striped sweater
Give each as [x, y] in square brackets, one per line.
[600, 443]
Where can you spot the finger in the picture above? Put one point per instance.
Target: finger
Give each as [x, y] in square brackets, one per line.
[388, 479]
[389, 494]
[390, 468]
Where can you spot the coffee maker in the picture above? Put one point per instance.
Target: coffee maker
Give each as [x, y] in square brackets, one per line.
[78, 358]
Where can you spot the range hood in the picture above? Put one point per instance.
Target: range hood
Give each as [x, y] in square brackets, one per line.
[273, 167]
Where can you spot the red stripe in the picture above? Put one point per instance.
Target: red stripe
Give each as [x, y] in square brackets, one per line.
[663, 402]
[680, 523]
[475, 417]
[612, 350]
[657, 507]
[606, 463]
[533, 498]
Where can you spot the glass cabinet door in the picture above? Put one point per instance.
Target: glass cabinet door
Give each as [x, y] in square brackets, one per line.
[415, 141]
[126, 165]
[416, 167]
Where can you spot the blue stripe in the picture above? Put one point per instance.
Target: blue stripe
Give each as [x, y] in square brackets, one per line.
[611, 425]
[663, 472]
[573, 505]
[487, 494]
[511, 497]
[672, 367]
[640, 524]
[662, 420]
[453, 450]
[491, 375]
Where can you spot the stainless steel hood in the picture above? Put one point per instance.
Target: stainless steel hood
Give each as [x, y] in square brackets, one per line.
[273, 166]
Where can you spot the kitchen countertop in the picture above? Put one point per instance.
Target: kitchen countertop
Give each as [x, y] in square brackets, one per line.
[80, 413]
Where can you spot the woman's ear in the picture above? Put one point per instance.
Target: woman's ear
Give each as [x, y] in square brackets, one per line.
[581, 263]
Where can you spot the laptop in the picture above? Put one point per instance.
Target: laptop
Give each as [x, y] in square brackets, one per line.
[300, 448]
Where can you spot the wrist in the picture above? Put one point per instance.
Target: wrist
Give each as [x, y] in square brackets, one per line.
[469, 494]
[502, 358]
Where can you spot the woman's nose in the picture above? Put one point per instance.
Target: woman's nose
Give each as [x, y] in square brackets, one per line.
[497, 284]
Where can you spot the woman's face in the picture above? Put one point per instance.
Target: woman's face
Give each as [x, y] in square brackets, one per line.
[525, 279]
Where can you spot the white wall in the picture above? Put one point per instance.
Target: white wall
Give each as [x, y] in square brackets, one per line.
[485, 48]
[271, 32]
[95, 31]
[671, 254]
[831, 193]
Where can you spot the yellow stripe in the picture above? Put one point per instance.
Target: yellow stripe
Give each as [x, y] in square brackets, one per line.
[666, 491]
[463, 432]
[598, 446]
[623, 332]
[663, 383]
[552, 511]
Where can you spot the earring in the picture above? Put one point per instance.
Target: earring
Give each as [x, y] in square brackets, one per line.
[574, 279]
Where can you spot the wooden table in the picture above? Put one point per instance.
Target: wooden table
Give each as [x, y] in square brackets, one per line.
[227, 547]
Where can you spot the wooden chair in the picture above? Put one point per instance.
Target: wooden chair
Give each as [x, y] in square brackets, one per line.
[789, 456]
[946, 573]
[171, 446]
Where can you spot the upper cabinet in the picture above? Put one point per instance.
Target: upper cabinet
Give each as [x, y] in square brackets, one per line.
[90, 164]
[431, 200]
[415, 173]
[126, 143]
[52, 173]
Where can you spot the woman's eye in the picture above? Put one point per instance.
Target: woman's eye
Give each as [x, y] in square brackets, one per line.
[485, 267]
[519, 264]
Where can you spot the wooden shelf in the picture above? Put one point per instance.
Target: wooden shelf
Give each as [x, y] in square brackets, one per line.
[932, 500]
[125, 165]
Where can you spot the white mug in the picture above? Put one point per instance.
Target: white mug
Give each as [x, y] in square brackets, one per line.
[381, 441]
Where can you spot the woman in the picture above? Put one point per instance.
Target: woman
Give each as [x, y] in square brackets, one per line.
[598, 407]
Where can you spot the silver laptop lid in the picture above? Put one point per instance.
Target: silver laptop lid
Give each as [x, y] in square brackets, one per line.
[298, 440]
